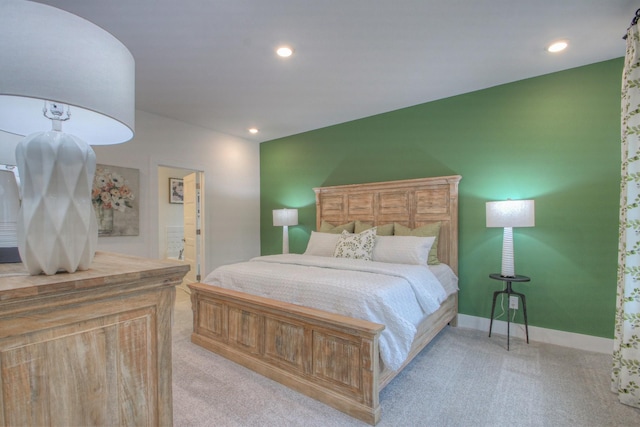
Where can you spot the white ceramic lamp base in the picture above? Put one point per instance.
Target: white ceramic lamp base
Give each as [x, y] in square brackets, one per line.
[285, 239]
[508, 268]
[57, 227]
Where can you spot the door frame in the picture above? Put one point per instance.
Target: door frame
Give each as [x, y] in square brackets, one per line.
[198, 223]
[156, 164]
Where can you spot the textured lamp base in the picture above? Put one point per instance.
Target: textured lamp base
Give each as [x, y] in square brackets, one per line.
[508, 268]
[57, 227]
[285, 239]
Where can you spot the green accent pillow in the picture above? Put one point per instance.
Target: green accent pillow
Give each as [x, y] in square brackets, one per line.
[325, 227]
[429, 230]
[383, 230]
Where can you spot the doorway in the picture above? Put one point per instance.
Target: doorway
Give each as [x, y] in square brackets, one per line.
[180, 213]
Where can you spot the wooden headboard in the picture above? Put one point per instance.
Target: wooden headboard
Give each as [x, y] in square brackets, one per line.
[412, 202]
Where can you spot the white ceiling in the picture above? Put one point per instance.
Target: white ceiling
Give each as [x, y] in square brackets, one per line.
[211, 63]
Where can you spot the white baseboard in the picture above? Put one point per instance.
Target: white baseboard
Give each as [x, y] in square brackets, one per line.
[549, 336]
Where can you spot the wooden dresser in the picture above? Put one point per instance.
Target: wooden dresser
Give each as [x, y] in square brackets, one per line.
[88, 348]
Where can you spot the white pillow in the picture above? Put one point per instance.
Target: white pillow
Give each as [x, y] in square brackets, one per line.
[402, 249]
[322, 244]
[357, 246]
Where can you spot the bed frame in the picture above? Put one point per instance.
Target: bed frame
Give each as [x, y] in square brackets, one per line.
[329, 357]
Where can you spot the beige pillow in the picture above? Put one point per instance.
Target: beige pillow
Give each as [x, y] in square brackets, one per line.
[383, 230]
[325, 227]
[429, 230]
[402, 249]
[322, 244]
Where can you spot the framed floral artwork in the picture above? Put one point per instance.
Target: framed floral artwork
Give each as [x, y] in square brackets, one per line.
[115, 196]
[176, 190]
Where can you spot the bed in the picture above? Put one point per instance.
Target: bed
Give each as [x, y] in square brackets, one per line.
[332, 357]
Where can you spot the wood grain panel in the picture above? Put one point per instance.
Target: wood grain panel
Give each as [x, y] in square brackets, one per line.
[334, 209]
[17, 381]
[360, 206]
[284, 343]
[211, 319]
[394, 206]
[136, 370]
[245, 329]
[396, 203]
[432, 201]
[336, 360]
[68, 378]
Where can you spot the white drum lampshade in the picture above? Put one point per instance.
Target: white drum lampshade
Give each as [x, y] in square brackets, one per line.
[58, 67]
[508, 214]
[284, 218]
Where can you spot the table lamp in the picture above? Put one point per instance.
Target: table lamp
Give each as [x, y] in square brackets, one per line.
[58, 67]
[285, 218]
[509, 214]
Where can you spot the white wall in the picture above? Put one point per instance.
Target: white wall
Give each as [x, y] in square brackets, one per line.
[231, 167]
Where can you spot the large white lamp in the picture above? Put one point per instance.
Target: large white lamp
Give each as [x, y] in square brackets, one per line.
[509, 214]
[56, 67]
[285, 218]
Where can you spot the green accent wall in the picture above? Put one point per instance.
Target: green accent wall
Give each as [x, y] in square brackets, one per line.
[553, 138]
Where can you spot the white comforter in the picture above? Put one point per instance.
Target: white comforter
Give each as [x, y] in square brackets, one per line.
[395, 295]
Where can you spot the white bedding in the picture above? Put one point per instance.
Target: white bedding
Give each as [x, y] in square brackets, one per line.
[396, 295]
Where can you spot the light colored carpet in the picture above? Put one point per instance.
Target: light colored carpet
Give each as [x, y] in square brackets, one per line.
[463, 378]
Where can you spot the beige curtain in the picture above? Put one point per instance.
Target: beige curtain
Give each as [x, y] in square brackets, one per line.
[626, 353]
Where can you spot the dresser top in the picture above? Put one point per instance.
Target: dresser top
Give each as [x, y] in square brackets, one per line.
[107, 270]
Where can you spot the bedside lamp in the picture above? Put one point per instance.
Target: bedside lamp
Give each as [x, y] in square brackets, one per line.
[509, 214]
[58, 67]
[285, 218]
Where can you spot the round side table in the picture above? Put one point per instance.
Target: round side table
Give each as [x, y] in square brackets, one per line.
[509, 291]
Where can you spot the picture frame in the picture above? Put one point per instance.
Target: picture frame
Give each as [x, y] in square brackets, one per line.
[176, 190]
[115, 197]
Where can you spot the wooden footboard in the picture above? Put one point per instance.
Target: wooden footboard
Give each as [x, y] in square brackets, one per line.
[329, 357]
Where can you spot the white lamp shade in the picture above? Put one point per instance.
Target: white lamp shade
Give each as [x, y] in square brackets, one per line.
[50, 54]
[283, 217]
[511, 213]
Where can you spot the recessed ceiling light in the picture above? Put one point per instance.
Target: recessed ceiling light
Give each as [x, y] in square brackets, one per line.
[253, 130]
[284, 51]
[557, 46]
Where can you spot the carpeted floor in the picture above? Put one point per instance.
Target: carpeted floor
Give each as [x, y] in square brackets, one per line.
[463, 378]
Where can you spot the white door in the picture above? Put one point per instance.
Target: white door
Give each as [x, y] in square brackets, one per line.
[192, 226]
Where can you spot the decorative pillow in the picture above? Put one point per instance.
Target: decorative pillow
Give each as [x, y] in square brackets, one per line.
[429, 230]
[358, 246]
[402, 249]
[322, 244]
[325, 227]
[383, 230]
